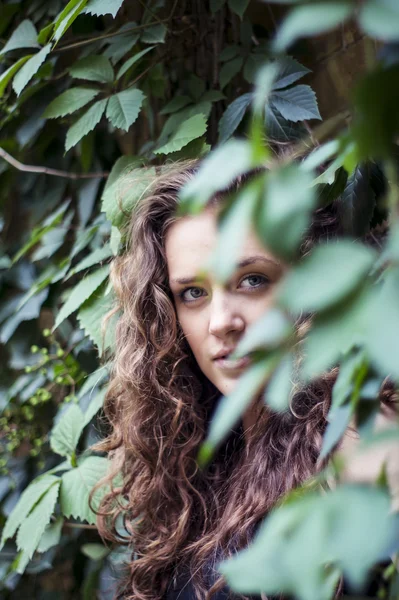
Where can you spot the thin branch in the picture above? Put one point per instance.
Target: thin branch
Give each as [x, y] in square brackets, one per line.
[149, 9]
[47, 170]
[107, 35]
[173, 10]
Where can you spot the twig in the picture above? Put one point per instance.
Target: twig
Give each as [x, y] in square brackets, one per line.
[144, 5]
[47, 170]
[172, 12]
[107, 35]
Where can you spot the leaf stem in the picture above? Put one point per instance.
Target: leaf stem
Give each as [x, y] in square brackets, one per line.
[107, 35]
[47, 170]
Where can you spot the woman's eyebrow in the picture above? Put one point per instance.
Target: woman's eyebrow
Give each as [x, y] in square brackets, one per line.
[250, 260]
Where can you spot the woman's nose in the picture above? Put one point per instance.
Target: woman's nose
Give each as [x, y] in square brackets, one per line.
[224, 316]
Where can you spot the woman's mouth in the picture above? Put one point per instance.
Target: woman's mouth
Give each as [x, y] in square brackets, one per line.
[228, 364]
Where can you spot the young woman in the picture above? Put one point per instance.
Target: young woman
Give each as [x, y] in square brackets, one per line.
[172, 363]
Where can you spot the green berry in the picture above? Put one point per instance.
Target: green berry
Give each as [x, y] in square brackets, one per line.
[46, 332]
[28, 369]
[34, 349]
[60, 353]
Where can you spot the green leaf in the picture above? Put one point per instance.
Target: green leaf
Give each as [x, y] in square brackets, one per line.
[296, 547]
[33, 526]
[121, 44]
[66, 433]
[81, 292]
[132, 60]
[289, 200]
[85, 124]
[52, 240]
[212, 96]
[216, 172]
[310, 20]
[69, 102]
[155, 34]
[174, 120]
[356, 204]
[338, 421]
[30, 310]
[279, 389]
[321, 155]
[120, 168]
[92, 382]
[95, 405]
[264, 81]
[124, 108]
[115, 240]
[95, 551]
[280, 129]
[51, 536]
[94, 258]
[336, 332]
[67, 16]
[230, 70]
[289, 71]
[91, 316]
[297, 103]
[6, 77]
[238, 6]
[28, 500]
[120, 196]
[24, 36]
[321, 280]
[383, 327]
[176, 104]
[266, 333]
[380, 19]
[103, 7]
[189, 130]
[196, 86]
[233, 116]
[231, 408]
[234, 228]
[51, 221]
[93, 68]
[343, 386]
[216, 5]
[29, 69]
[76, 486]
[45, 33]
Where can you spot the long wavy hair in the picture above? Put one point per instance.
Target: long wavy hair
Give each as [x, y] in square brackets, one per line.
[177, 518]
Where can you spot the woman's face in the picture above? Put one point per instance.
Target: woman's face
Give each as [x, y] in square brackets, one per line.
[214, 317]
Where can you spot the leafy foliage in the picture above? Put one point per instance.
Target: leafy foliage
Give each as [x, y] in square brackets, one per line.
[106, 90]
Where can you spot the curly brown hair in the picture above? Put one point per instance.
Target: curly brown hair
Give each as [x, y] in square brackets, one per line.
[159, 405]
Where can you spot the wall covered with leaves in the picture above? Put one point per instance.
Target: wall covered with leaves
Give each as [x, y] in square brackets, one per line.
[93, 89]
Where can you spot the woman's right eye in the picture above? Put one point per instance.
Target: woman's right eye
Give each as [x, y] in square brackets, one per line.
[191, 294]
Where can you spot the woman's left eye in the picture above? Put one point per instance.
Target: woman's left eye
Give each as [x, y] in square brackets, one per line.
[255, 281]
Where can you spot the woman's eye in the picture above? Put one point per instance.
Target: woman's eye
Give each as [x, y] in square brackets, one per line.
[255, 281]
[191, 294]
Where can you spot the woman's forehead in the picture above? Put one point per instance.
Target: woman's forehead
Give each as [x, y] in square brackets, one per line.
[190, 241]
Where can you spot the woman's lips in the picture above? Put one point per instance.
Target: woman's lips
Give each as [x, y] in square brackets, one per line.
[227, 364]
